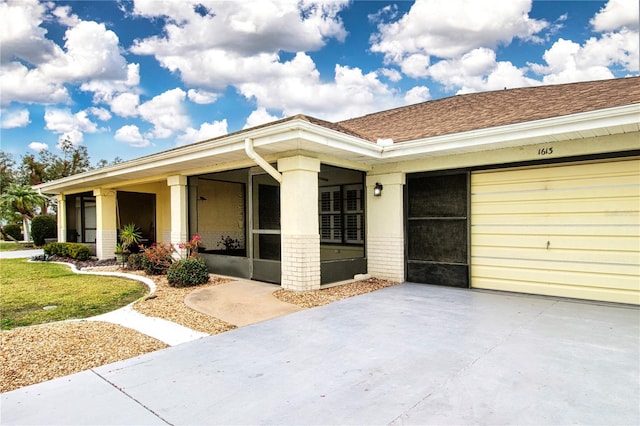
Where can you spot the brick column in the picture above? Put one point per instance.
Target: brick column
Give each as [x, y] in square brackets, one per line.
[385, 227]
[106, 224]
[62, 218]
[179, 215]
[300, 235]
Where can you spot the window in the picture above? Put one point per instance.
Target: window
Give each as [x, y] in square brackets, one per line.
[341, 214]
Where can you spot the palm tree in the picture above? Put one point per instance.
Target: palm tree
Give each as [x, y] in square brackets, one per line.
[24, 200]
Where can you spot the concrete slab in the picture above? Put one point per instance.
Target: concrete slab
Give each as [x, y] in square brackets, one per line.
[411, 354]
[19, 254]
[240, 302]
[80, 399]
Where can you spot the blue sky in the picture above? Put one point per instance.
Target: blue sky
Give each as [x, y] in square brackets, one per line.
[131, 78]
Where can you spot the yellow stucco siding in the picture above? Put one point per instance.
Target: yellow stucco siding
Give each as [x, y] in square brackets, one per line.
[566, 230]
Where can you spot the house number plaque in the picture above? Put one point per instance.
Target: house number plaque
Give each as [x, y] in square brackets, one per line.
[547, 150]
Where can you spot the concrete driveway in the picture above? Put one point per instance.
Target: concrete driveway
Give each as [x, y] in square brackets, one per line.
[410, 354]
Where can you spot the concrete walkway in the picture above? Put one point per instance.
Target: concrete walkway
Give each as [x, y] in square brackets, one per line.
[409, 354]
[240, 302]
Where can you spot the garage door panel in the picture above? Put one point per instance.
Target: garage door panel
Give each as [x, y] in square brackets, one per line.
[584, 256]
[559, 173]
[604, 220]
[560, 206]
[551, 230]
[547, 194]
[600, 267]
[601, 279]
[569, 230]
[591, 293]
[559, 242]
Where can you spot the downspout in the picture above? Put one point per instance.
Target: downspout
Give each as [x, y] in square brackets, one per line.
[248, 147]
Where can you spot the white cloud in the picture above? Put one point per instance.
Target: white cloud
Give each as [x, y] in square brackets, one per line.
[295, 87]
[258, 117]
[567, 61]
[416, 65]
[15, 118]
[34, 69]
[125, 104]
[131, 135]
[105, 90]
[245, 28]
[451, 28]
[617, 14]
[206, 131]
[392, 74]
[100, 113]
[38, 146]
[417, 94]
[21, 34]
[166, 113]
[202, 96]
[68, 125]
[478, 71]
[20, 84]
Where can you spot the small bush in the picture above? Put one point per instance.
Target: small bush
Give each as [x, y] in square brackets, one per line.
[72, 250]
[43, 226]
[157, 259]
[187, 273]
[135, 262]
[13, 231]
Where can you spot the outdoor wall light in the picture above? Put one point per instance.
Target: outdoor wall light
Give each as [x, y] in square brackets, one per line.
[377, 190]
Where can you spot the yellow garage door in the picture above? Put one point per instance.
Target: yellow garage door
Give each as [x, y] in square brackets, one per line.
[564, 230]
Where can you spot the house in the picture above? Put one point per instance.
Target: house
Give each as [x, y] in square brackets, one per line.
[533, 190]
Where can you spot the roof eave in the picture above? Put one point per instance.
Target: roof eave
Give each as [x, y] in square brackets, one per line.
[519, 134]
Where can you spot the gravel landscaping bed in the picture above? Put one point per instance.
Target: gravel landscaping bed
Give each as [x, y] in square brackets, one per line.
[311, 299]
[38, 353]
[30, 355]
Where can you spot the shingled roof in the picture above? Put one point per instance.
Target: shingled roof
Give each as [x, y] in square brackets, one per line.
[475, 111]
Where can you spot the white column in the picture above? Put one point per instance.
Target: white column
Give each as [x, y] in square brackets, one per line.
[106, 223]
[300, 235]
[62, 218]
[385, 227]
[179, 210]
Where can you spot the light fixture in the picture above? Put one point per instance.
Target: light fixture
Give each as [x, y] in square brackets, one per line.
[377, 190]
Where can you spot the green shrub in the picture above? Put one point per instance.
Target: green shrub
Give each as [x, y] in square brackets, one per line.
[13, 231]
[135, 262]
[43, 226]
[187, 273]
[72, 250]
[157, 259]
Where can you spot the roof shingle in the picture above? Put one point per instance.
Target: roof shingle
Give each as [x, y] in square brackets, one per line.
[475, 111]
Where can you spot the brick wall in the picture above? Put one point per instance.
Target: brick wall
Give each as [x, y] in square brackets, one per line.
[300, 262]
[385, 257]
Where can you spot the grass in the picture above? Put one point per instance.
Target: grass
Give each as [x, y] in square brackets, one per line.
[40, 292]
[13, 246]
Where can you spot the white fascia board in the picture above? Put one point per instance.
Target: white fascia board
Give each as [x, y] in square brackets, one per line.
[516, 134]
[309, 133]
[272, 134]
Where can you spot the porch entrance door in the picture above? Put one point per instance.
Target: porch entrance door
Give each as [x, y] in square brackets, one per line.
[265, 229]
[437, 229]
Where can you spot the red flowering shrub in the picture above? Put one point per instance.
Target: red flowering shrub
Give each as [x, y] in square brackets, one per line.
[157, 258]
[192, 246]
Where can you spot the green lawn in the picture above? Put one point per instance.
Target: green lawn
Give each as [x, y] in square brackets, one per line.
[26, 289]
[13, 246]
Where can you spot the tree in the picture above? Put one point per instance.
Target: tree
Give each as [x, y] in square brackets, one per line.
[22, 199]
[7, 171]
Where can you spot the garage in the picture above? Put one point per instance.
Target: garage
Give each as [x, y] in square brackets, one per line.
[569, 230]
